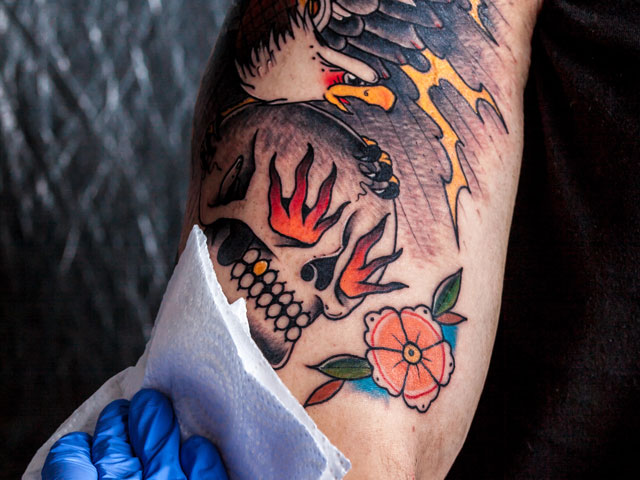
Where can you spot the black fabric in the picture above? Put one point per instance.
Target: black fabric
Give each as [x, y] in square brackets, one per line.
[561, 397]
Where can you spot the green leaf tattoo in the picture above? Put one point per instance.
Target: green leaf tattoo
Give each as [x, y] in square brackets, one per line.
[345, 367]
[446, 294]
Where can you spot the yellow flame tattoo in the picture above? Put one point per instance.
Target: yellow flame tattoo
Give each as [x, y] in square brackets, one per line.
[475, 14]
[440, 70]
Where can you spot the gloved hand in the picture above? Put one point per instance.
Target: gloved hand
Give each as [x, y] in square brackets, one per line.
[137, 440]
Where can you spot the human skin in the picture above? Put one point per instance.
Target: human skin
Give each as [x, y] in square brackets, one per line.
[354, 166]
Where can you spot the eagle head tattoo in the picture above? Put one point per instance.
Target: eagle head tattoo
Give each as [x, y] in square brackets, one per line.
[283, 58]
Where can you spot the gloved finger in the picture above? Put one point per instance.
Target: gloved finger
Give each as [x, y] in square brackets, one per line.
[111, 452]
[70, 459]
[154, 435]
[201, 460]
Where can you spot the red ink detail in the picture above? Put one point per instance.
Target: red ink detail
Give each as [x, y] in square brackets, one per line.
[353, 281]
[450, 318]
[324, 392]
[344, 100]
[297, 221]
[332, 78]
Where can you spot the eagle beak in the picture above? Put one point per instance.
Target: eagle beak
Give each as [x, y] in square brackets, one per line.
[372, 94]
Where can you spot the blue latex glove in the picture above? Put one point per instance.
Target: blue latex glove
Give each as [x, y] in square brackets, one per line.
[137, 440]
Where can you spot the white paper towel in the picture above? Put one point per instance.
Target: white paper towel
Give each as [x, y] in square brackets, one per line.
[202, 356]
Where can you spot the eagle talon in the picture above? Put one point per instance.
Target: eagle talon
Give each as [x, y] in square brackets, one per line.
[376, 165]
[378, 172]
[372, 153]
[385, 173]
[388, 190]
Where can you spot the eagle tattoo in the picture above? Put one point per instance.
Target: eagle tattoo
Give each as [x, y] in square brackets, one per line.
[340, 50]
[325, 90]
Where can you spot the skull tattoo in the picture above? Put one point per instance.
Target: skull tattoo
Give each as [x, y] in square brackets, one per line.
[303, 223]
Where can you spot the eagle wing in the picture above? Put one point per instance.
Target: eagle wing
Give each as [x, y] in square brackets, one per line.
[430, 54]
[397, 31]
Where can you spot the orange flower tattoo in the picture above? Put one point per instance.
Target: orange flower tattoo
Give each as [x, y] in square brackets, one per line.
[408, 354]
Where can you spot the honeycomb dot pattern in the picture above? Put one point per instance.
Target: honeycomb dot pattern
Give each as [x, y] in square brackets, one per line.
[260, 282]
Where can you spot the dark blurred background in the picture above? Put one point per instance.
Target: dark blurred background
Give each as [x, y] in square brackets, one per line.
[96, 101]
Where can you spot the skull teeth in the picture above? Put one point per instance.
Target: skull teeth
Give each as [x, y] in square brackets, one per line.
[273, 310]
[293, 333]
[251, 256]
[282, 322]
[265, 300]
[303, 320]
[285, 298]
[293, 309]
[256, 289]
[254, 275]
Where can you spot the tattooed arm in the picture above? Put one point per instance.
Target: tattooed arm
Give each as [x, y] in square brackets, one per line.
[354, 169]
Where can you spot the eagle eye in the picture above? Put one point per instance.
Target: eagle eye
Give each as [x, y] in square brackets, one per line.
[351, 79]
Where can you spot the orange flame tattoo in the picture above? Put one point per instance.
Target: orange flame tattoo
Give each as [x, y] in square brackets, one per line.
[353, 281]
[292, 218]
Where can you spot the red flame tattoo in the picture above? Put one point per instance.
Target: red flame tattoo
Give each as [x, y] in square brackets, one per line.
[292, 218]
[353, 281]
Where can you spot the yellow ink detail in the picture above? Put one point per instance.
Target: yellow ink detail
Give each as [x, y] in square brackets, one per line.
[441, 69]
[260, 267]
[312, 5]
[412, 353]
[373, 95]
[475, 14]
[230, 110]
[384, 158]
[368, 141]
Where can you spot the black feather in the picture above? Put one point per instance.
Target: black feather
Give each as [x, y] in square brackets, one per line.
[349, 26]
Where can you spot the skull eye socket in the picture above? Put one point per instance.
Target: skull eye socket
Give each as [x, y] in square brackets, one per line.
[308, 272]
[321, 270]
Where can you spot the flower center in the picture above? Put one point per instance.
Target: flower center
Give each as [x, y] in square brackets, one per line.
[412, 353]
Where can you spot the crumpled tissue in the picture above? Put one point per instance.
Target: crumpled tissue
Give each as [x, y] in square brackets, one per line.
[202, 356]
